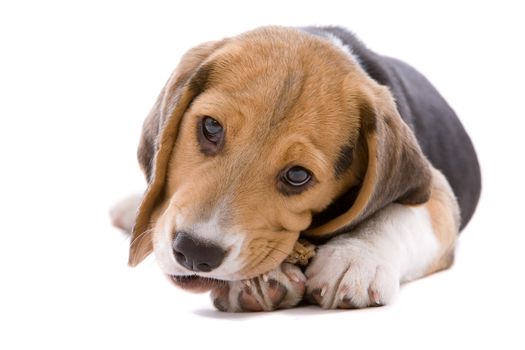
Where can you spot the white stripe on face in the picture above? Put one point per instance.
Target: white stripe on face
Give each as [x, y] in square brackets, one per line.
[211, 231]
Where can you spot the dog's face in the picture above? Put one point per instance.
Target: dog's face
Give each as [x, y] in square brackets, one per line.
[260, 133]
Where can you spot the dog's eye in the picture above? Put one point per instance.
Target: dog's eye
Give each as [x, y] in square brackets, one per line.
[212, 129]
[297, 176]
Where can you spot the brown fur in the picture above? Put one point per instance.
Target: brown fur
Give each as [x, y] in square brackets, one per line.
[444, 214]
[285, 103]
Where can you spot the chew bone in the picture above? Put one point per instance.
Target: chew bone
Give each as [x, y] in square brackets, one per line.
[302, 252]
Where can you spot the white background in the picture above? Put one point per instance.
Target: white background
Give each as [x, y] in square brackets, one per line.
[76, 81]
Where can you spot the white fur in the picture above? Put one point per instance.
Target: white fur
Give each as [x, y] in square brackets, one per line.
[396, 245]
[123, 213]
[344, 47]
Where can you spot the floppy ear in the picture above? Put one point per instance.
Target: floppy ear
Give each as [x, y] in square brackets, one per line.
[158, 137]
[397, 170]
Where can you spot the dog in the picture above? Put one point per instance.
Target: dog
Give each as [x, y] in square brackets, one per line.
[280, 133]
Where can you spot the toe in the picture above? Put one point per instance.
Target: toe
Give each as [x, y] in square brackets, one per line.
[276, 293]
[347, 303]
[384, 287]
[296, 278]
[373, 294]
[220, 296]
[247, 300]
[318, 296]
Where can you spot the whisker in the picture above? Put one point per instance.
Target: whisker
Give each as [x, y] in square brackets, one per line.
[280, 251]
[266, 254]
[262, 255]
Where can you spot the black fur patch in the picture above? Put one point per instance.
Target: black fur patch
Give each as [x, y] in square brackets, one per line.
[200, 80]
[338, 207]
[346, 156]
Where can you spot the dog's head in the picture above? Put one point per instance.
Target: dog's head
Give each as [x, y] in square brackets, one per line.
[259, 138]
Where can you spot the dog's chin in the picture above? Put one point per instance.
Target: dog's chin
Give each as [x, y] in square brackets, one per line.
[195, 284]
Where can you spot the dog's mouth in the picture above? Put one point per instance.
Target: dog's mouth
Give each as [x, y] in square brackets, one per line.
[194, 283]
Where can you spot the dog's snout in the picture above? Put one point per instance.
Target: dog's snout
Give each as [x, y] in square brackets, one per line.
[196, 255]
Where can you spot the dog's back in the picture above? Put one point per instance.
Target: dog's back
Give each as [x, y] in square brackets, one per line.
[438, 130]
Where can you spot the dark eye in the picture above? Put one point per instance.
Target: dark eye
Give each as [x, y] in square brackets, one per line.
[297, 176]
[212, 129]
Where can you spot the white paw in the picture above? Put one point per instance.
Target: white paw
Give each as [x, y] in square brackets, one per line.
[278, 289]
[351, 273]
[123, 213]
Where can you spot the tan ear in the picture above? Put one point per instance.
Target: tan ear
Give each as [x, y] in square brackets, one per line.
[397, 170]
[158, 137]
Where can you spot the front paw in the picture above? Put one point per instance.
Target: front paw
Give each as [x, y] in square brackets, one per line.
[123, 213]
[350, 274]
[278, 289]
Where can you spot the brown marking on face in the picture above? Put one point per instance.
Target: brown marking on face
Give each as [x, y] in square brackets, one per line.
[445, 218]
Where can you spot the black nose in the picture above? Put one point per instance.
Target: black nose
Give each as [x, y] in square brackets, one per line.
[196, 255]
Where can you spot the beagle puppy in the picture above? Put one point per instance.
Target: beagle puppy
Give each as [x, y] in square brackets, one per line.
[281, 133]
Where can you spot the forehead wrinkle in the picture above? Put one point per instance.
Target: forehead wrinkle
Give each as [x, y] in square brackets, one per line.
[269, 81]
[286, 96]
[216, 103]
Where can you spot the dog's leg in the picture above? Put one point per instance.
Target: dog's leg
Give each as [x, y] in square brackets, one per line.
[398, 244]
[123, 213]
[278, 289]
